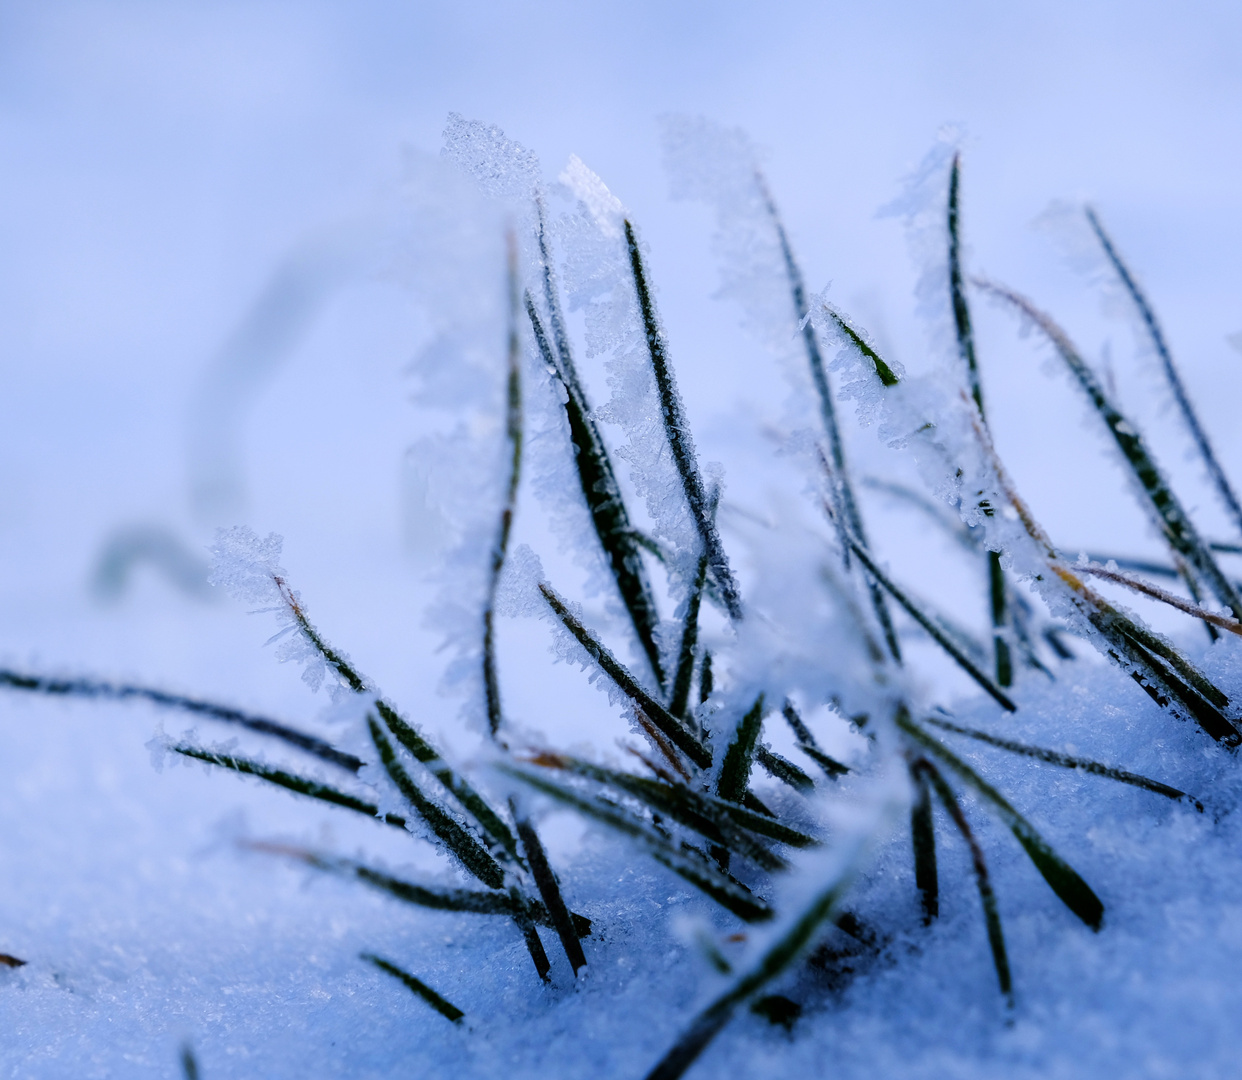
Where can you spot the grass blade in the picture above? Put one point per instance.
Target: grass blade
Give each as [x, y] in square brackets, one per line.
[685, 862]
[550, 890]
[301, 784]
[823, 907]
[1152, 325]
[689, 641]
[1164, 596]
[927, 623]
[735, 772]
[807, 744]
[444, 1007]
[1066, 761]
[1073, 892]
[668, 725]
[923, 836]
[94, 688]
[784, 770]
[1176, 526]
[677, 431]
[513, 433]
[472, 855]
[991, 913]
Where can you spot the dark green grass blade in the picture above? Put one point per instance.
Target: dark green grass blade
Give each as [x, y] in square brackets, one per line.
[689, 641]
[740, 755]
[991, 913]
[432, 897]
[500, 546]
[550, 890]
[455, 837]
[782, 769]
[444, 1007]
[530, 935]
[822, 908]
[719, 821]
[685, 862]
[605, 504]
[1176, 526]
[807, 744]
[189, 1063]
[966, 350]
[488, 820]
[1066, 761]
[1152, 325]
[668, 725]
[923, 835]
[1074, 893]
[93, 688]
[677, 432]
[886, 374]
[409, 737]
[300, 784]
[929, 624]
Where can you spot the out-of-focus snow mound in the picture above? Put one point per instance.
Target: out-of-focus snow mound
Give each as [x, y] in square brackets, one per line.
[146, 924]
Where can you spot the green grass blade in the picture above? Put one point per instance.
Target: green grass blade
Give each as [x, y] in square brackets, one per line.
[441, 1005]
[550, 890]
[823, 906]
[677, 432]
[98, 689]
[923, 836]
[689, 642]
[1066, 761]
[807, 744]
[671, 727]
[929, 624]
[1152, 326]
[991, 913]
[1073, 892]
[609, 517]
[740, 755]
[782, 769]
[453, 782]
[302, 785]
[685, 862]
[500, 546]
[454, 837]
[1175, 524]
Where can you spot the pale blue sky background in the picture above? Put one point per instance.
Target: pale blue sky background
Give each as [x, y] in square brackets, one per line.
[157, 160]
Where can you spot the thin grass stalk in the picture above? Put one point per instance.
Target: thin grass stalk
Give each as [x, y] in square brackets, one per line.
[923, 838]
[677, 431]
[689, 641]
[454, 837]
[93, 688]
[782, 769]
[739, 757]
[549, 889]
[1167, 680]
[513, 433]
[927, 623]
[991, 913]
[1073, 892]
[1152, 325]
[823, 907]
[669, 726]
[1175, 524]
[686, 862]
[189, 1063]
[1066, 761]
[1146, 588]
[808, 745]
[302, 785]
[405, 733]
[609, 517]
[441, 1005]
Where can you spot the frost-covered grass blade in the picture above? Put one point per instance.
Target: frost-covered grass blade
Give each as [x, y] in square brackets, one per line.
[441, 1005]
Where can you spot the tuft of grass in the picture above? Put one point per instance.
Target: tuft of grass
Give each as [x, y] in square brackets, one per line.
[441, 1005]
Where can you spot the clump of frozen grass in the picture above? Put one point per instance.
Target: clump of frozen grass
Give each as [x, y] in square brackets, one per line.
[809, 636]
